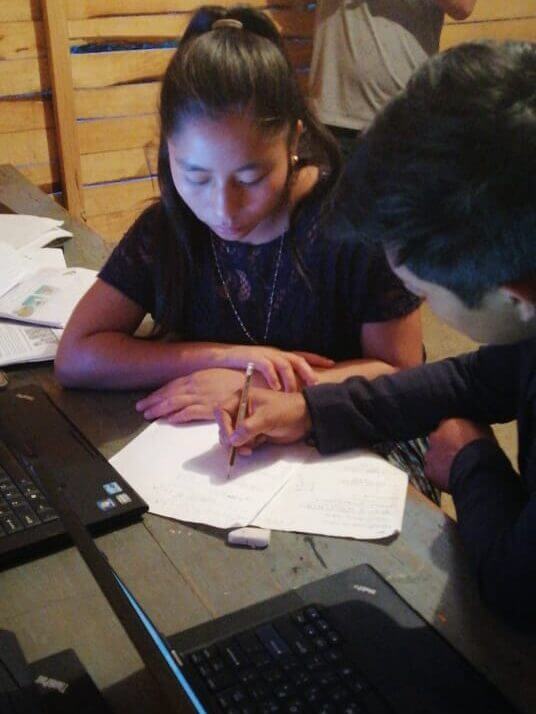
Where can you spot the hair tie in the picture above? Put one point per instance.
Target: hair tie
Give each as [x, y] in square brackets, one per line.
[227, 22]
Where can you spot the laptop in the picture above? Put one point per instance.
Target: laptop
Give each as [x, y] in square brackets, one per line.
[31, 426]
[345, 644]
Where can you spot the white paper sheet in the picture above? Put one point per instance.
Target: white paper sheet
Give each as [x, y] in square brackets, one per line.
[47, 297]
[12, 267]
[358, 495]
[26, 343]
[181, 472]
[43, 258]
[22, 232]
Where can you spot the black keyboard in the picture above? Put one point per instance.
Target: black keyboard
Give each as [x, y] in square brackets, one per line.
[297, 663]
[22, 502]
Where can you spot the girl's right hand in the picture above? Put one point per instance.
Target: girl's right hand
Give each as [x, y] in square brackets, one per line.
[287, 370]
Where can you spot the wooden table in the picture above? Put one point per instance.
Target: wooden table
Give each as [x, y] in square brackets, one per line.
[184, 575]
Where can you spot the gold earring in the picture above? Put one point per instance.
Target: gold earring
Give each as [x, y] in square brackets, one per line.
[294, 160]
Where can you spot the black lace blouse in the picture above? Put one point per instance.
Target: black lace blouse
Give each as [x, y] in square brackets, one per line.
[347, 283]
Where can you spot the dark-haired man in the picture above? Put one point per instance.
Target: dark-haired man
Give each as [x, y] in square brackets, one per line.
[452, 172]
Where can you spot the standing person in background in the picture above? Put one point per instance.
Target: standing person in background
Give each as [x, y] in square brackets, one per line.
[365, 51]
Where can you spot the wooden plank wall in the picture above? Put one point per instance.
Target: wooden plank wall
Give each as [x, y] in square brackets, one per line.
[118, 52]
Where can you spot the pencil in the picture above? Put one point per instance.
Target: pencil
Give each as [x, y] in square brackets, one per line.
[242, 407]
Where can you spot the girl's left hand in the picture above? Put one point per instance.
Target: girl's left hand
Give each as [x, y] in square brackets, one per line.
[195, 396]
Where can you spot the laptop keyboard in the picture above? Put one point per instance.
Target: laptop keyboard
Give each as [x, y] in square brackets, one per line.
[22, 503]
[295, 664]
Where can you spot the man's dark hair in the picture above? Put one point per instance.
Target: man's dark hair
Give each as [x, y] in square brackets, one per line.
[453, 169]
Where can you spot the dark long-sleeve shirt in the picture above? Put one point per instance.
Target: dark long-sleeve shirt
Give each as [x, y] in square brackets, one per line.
[496, 507]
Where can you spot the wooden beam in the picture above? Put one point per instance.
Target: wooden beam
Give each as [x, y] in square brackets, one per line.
[55, 23]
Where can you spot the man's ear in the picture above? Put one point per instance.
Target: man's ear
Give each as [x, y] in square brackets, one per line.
[523, 294]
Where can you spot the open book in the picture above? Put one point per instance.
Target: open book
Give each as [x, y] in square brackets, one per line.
[47, 296]
[181, 472]
[27, 343]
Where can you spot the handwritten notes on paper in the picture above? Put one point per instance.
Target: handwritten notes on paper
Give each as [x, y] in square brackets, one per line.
[181, 472]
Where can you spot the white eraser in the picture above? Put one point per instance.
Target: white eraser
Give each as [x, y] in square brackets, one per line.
[252, 537]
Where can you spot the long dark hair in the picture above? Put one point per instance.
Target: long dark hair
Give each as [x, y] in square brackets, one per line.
[214, 72]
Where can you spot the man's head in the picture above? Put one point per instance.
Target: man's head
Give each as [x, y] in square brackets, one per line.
[453, 176]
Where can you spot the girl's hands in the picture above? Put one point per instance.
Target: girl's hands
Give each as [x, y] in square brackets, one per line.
[281, 370]
[193, 397]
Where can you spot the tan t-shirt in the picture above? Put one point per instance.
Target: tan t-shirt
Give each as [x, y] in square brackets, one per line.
[364, 53]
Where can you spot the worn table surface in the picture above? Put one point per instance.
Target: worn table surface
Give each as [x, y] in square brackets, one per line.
[184, 575]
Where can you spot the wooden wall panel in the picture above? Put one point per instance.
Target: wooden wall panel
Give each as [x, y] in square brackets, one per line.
[79, 9]
[114, 134]
[119, 165]
[121, 101]
[455, 34]
[500, 10]
[28, 147]
[21, 40]
[130, 195]
[24, 114]
[19, 10]
[113, 226]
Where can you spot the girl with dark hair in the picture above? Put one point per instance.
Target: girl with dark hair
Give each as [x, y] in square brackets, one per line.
[246, 256]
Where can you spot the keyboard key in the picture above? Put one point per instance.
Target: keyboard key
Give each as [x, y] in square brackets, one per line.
[299, 618]
[333, 638]
[219, 681]
[300, 677]
[272, 675]
[326, 678]
[322, 625]
[312, 613]
[10, 523]
[352, 708]
[289, 632]
[46, 513]
[249, 642]
[332, 655]
[233, 654]
[259, 691]
[25, 514]
[283, 691]
[272, 641]
[314, 662]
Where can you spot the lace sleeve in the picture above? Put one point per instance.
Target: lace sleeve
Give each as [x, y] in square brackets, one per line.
[130, 267]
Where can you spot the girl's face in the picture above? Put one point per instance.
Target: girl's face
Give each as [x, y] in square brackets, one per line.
[232, 176]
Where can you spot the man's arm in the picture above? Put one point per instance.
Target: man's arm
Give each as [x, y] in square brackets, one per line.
[497, 523]
[482, 386]
[457, 9]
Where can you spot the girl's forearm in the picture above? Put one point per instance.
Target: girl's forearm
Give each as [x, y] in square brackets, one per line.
[113, 360]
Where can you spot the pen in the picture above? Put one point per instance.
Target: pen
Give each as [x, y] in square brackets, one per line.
[242, 406]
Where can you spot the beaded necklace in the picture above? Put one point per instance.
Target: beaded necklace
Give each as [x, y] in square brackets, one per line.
[230, 300]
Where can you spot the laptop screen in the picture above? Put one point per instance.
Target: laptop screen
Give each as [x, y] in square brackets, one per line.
[168, 655]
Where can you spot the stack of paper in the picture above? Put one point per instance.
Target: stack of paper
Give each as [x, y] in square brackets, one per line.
[35, 287]
[30, 232]
[181, 472]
